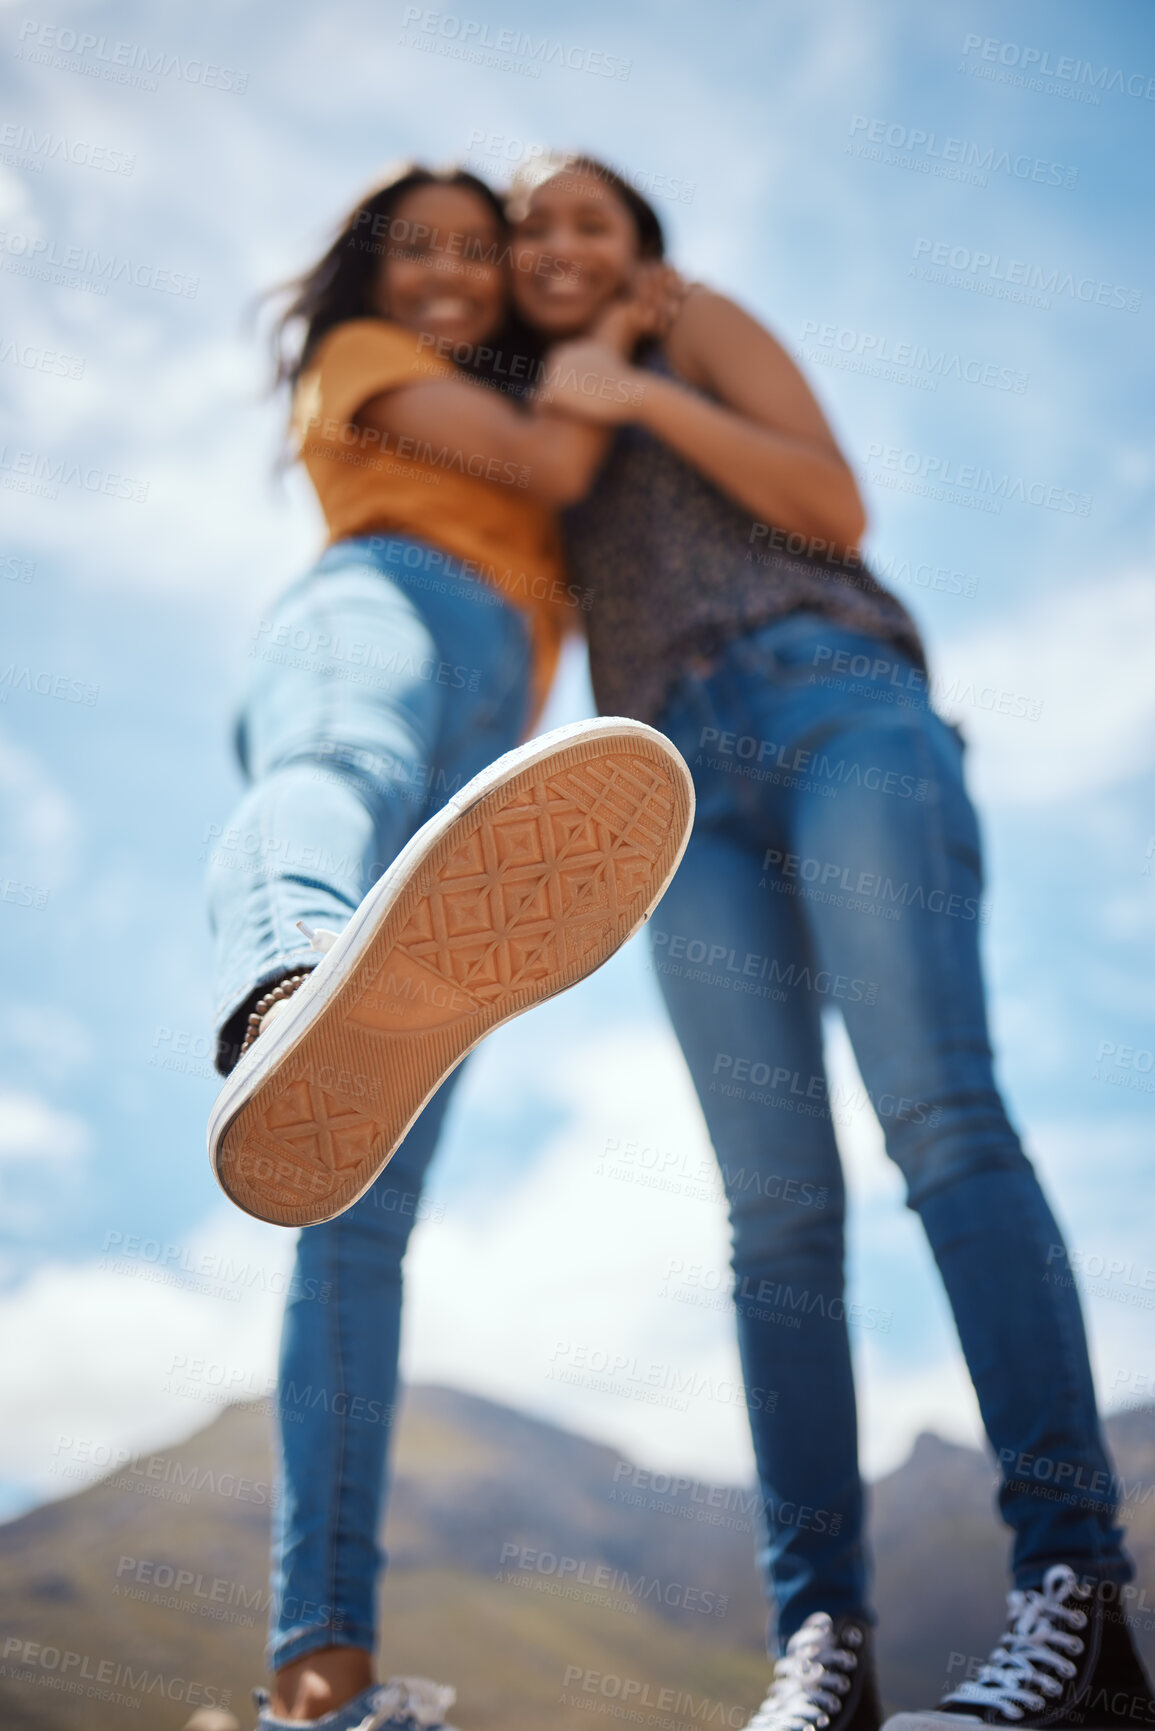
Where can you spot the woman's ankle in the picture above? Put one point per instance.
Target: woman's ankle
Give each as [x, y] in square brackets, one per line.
[321, 1682]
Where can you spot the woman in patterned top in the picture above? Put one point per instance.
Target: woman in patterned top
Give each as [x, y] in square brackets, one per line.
[835, 861]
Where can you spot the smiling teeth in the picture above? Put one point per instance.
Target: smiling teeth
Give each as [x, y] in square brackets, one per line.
[447, 307]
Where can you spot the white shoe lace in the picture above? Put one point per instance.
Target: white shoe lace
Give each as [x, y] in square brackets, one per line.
[319, 939]
[410, 1701]
[1011, 1680]
[810, 1680]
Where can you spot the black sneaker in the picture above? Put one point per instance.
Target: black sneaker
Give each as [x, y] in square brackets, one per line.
[824, 1679]
[1065, 1661]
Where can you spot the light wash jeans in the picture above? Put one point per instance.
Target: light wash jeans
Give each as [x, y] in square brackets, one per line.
[835, 863]
[381, 683]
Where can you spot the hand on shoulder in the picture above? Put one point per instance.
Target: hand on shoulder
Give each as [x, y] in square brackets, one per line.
[589, 379]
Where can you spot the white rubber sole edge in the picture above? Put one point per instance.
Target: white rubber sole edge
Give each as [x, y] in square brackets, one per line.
[301, 1010]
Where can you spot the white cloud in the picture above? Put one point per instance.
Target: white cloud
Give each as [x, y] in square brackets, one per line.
[40, 823]
[572, 1273]
[1084, 653]
[568, 1270]
[30, 1129]
[144, 1348]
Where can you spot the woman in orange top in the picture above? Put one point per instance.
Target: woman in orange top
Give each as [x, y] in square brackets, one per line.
[414, 653]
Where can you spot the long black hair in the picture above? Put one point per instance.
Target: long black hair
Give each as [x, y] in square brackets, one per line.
[340, 285]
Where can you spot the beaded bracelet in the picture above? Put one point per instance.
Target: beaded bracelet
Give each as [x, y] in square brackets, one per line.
[261, 1008]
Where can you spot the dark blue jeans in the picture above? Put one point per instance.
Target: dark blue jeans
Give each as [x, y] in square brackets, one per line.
[835, 862]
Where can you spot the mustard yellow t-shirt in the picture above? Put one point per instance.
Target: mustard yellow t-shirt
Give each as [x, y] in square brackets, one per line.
[471, 506]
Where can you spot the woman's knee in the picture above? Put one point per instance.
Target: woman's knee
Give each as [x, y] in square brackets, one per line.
[793, 1223]
[951, 1147]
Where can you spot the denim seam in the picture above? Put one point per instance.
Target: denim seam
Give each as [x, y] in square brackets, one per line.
[335, 1535]
[1070, 1356]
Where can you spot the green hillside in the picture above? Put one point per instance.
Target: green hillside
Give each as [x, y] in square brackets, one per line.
[540, 1573]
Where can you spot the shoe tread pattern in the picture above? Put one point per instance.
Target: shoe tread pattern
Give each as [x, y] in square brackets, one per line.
[531, 889]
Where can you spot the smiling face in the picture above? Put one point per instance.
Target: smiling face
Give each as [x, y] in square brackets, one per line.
[575, 248]
[442, 271]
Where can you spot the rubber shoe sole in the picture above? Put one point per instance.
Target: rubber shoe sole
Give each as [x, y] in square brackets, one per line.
[930, 1720]
[526, 882]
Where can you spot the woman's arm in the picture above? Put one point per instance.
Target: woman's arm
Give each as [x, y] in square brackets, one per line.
[553, 459]
[765, 443]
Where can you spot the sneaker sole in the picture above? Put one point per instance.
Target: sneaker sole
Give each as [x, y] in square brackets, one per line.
[930, 1721]
[527, 881]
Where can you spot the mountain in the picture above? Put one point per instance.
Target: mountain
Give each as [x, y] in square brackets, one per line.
[540, 1572]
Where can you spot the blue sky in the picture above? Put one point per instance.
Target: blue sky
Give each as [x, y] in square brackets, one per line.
[825, 165]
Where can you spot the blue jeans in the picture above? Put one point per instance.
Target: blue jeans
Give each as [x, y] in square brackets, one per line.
[835, 863]
[382, 682]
